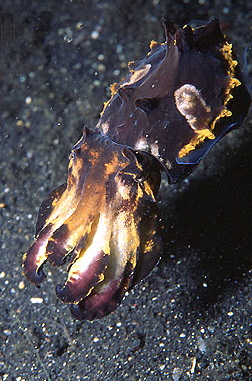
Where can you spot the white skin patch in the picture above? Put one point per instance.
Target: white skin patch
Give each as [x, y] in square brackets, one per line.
[155, 149]
[193, 107]
[141, 144]
[105, 127]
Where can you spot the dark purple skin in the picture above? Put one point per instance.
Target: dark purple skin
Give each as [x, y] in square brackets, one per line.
[195, 59]
[183, 97]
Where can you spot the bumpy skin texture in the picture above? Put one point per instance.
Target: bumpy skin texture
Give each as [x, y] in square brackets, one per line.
[165, 115]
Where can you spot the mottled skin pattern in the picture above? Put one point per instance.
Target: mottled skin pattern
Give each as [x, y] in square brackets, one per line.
[165, 115]
[105, 235]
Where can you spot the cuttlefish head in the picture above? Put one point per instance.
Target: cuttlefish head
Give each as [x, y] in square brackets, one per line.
[103, 222]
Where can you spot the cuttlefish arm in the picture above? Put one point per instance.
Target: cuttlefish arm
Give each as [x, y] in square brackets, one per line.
[105, 220]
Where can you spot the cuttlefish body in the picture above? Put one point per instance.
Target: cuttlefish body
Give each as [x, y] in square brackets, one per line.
[183, 97]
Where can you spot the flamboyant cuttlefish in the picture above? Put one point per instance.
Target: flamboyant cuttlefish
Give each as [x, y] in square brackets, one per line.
[164, 116]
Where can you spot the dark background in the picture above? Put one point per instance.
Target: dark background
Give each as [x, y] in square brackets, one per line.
[190, 319]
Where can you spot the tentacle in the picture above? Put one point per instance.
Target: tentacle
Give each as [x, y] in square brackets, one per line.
[133, 213]
[108, 228]
[88, 268]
